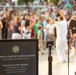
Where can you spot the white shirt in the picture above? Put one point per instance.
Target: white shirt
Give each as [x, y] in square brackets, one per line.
[23, 23]
[26, 34]
[50, 28]
[7, 5]
[61, 29]
[14, 0]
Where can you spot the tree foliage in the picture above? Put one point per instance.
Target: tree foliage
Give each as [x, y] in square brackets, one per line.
[54, 1]
[26, 1]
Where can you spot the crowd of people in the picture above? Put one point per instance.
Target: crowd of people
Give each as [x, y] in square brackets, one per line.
[49, 25]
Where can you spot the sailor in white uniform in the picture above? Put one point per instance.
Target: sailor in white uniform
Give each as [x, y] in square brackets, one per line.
[61, 41]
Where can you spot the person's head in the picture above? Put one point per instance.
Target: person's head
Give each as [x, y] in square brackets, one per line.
[40, 19]
[16, 20]
[5, 16]
[58, 14]
[25, 17]
[39, 27]
[60, 18]
[11, 15]
[50, 21]
[56, 11]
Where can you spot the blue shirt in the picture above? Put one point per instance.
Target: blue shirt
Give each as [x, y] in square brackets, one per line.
[65, 1]
[16, 28]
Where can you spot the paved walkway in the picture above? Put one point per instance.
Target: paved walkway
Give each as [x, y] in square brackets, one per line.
[58, 68]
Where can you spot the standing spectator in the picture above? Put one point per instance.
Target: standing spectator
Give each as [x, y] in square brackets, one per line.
[61, 40]
[68, 6]
[26, 30]
[50, 32]
[72, 26]
[16, 28]
[74, 7]
[40, 39]
[35, 29]
[25, 17]
[10, 24]
[4, 29]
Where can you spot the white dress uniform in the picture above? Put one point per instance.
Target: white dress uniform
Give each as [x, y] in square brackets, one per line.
[61, 41]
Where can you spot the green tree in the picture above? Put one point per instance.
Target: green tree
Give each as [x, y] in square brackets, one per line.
[0, 0]
[54, 1]
[26, 1]
[19, 1]
[45, 0]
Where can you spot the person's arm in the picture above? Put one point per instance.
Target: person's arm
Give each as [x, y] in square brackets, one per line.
[62, 15]
[73, 18]
[38, 36]
[71, 35]
[54, 32]
[59, 2]
[8, 25]
[31, 25]
[51, 20]
[1, 25]
[11, 26]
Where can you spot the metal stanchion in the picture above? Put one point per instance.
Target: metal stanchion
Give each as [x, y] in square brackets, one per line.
[50, 60]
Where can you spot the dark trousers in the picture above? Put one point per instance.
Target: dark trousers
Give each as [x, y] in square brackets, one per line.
[49, 42]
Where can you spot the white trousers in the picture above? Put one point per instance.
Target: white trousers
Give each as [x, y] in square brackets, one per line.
[16, 36]
[61, 45]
